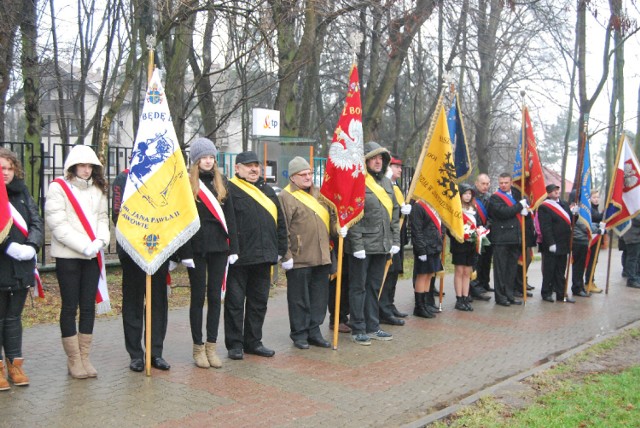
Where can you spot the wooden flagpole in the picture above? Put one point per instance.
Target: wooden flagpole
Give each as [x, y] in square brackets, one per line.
[523, 163]
[147, 296]
[577, 186]
[608, 201]
[414, 180]
[336, 311]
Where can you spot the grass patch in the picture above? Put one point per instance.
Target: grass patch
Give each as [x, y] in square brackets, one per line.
[595, 388]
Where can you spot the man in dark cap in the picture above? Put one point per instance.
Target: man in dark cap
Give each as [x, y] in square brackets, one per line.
[554, 216]
[262, 240]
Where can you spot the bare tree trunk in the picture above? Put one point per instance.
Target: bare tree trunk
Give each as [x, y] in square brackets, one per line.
[11, 13]
[488, 19]
[616, 119]
[203, 83]
[31, 86]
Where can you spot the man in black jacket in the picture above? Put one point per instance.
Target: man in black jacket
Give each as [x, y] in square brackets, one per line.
[262, 241]
[554, 216]
[505, 237]
[480, 285]
[133, 297]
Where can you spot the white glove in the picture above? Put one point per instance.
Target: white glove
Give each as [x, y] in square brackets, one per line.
[13, 250]
[233, 258]
[90, 251]
[524, 203]
[172, 265]
[395, 249]
[288, 264]
[343, 231]
[524, 212]
[27, 252]
[575, 209]
[188, 263]
[279, 257]
[422, 258]
[360, 255]
[603, 228]
[552, 248]
[406, 209]
[97, 245]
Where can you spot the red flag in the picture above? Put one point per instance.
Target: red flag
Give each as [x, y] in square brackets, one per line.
[534, 187]
[5, 214]
[623, 202]
[344, 175]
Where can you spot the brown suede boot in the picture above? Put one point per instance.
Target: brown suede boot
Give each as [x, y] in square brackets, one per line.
[214, 361]
[84, 342]
[4, 385]
[16, 374]
[200, 356]
[74, 361]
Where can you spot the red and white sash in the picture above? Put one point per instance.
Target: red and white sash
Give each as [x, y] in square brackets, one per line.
[557, 208]
[21, 224]
[102, 295]
[434, 218]
[212, 204]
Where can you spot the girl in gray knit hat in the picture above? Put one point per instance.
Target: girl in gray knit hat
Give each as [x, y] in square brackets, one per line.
[211, 248]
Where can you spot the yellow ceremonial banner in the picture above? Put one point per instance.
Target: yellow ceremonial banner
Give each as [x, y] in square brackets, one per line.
[158, 213]
[436, 180]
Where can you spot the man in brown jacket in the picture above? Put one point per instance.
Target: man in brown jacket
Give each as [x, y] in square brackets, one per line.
[308, 259]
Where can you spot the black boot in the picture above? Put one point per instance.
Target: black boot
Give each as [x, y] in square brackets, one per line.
[467, 301]
[460, 304]
[419, 310]
[430, 302]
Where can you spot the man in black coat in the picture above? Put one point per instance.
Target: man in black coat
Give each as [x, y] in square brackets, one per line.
[262, 241]
[505, 237]
[554, 216]
[480, 285]
[133, 297]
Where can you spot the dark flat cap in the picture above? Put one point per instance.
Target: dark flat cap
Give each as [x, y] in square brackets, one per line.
[247, 157]
[551, 187]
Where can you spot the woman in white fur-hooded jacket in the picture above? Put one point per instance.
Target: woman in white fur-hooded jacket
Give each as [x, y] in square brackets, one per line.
[76, 251]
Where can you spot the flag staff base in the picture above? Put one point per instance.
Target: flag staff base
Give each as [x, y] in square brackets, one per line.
[336, 312]
[147, 346]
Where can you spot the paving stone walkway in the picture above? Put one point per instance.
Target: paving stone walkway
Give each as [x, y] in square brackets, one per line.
[429, 365]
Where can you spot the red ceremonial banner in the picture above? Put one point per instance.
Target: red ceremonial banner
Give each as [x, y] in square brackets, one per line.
[534, 187]
[344, 175]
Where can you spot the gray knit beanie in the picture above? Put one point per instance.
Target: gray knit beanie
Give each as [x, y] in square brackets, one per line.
[201, 147]
[298, 164]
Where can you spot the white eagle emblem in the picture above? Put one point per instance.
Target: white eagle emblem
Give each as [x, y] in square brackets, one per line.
[351, 155]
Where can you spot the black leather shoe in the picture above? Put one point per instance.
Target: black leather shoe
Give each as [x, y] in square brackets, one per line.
[489, 289]
[633, 284]
[136, 365]
[261, 351]
[548, 299]
[392, 321]
[398, 314]
[503, 303]
[582, 294]
[568, 300]
[482, 297]
[236, 354]
[160, 363]
[530, 287]
[301, 344]
[319, 342]
[515, 302]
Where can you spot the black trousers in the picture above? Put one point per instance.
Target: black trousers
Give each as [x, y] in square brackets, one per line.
[134, 282]
[365, 280]
[483, 268]
[505, 268]
[78, 281]
[553, 267]
[11, 306]
[307, 297]
[206, 279]
[247, 287]
[518, 283]
[578, 276]
[387, 297]
[344, 294]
